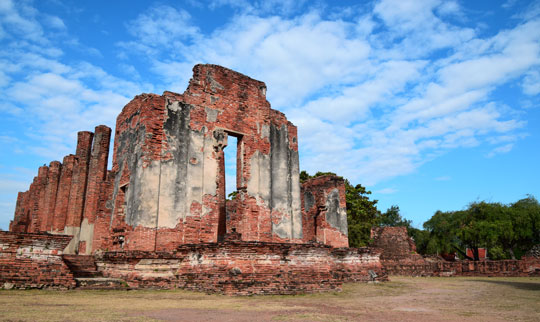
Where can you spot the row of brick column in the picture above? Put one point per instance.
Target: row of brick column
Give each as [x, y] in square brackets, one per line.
[63, 194]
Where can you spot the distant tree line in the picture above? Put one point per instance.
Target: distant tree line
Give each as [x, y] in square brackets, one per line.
[507, 231]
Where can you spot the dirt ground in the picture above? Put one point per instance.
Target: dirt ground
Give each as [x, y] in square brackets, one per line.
[401, 299]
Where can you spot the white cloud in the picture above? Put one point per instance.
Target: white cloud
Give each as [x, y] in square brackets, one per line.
[62, 98]
[500, 150]
[386, 191]
[20, 19]
[282, 7]
[163, 26]
[416, 29]
[55, 22]
[531, 82]
[374, 96]
[366, 106]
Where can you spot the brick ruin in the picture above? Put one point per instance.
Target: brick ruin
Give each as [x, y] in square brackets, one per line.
[164, 198]
[399, 257]
[160, 217]
[167, 183]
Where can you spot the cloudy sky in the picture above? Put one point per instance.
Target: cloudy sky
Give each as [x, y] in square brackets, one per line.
[429, 104]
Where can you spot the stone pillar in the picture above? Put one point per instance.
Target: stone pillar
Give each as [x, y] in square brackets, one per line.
[51, 189]
[78, 189]
[220, 144]
[62, 196]
[97, 172]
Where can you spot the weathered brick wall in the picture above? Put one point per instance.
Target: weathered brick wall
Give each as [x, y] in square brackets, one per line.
[500, 268]
[33, 261]
[399, 257]
[324, 211]
[244, 268]
[168, 164]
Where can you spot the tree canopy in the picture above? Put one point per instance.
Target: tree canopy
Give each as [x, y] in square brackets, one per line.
[507, 231]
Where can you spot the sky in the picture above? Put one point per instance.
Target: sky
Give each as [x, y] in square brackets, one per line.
[429, 104]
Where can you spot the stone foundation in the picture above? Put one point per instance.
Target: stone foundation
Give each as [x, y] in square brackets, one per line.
[245, 268]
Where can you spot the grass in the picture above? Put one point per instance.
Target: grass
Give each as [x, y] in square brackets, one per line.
[415, 299]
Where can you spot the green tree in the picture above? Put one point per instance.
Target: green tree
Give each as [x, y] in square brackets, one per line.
[392, 218]
[362, 214]
[442, 229]
[507, 231]
[524, 216]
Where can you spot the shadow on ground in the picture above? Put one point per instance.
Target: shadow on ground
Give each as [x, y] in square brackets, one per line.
[516, 284]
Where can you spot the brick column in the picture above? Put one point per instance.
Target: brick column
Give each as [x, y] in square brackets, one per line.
[20, 222]
[220, 144]
[37, 199]
[62, 196]
[51, 189]
[78, 189]
[97, 172]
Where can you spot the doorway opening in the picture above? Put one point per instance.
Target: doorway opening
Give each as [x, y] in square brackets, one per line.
[229, 177]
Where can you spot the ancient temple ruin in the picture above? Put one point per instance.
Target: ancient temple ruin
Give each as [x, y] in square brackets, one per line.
[160, 217]
[163, 208]
[167, 183]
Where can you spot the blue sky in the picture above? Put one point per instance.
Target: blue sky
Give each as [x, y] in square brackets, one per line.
[429, 104]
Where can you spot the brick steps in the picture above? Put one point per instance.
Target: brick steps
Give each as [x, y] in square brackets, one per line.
[101, 283]
[82, 266]
[87, 276]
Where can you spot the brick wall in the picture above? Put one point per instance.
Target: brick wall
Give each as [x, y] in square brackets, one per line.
[243, 268]
[30, 260]
[399, 257]
[324, 211]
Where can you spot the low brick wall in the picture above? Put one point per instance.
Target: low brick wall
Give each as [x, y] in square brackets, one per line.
[245, 268]
[33, 261]
[502, 268]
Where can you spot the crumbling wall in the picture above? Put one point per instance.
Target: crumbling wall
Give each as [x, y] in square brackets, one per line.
[324, 211]
[169, 170]
[244, 268]
[33, 261]
[167, 184]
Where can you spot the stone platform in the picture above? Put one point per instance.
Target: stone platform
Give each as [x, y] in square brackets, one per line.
[245, 268]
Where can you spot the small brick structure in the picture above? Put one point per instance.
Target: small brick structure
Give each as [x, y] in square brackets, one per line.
[399, 257]
[33, 261]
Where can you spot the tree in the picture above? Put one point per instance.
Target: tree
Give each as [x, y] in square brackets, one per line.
[524, 215]
[507, 231]
[392, 218]
[441, 228]
[362, 214]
